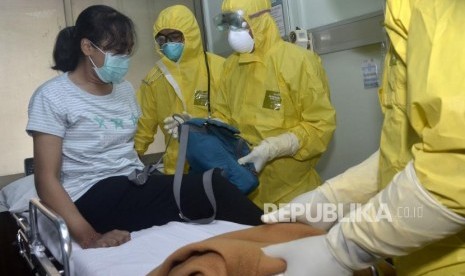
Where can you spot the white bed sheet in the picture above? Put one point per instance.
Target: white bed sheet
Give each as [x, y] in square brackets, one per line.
[147, 249]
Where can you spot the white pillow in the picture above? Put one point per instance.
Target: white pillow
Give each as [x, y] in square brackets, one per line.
[16, 195]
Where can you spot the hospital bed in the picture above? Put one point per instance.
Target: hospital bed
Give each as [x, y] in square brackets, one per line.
[53, 253]
[45, 244]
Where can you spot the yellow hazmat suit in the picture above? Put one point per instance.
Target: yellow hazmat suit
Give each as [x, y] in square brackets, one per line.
[175, 87]
[278, 88]
[428, 123]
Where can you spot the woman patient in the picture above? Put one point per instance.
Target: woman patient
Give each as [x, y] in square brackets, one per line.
[83, 123]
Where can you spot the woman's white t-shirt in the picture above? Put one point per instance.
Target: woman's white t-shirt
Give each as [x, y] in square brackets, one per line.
[97, 131]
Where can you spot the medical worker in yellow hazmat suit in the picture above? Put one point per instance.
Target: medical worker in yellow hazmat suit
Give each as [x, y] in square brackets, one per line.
[178, 83]
[418, 215]
[277, 95]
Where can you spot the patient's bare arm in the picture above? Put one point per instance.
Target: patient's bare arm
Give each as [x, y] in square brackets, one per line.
[47, 162]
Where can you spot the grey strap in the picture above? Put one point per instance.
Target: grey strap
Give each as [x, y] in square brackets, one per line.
[208, 187]
[206, 179]
[139, 177]
[184, 135]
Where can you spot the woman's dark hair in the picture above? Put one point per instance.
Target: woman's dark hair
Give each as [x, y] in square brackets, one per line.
[102, 25]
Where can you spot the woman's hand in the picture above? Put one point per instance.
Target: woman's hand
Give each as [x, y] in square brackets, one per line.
[110, 239]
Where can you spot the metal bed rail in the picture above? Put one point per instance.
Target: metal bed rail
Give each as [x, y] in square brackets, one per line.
[30, 243]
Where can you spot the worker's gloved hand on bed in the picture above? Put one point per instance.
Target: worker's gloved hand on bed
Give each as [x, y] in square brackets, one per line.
[109, 239]
[172, 122]
[334, 197]
[326, 255]
[270, 148]
[307, 256]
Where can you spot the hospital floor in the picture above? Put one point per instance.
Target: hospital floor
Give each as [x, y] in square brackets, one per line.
[11, 263]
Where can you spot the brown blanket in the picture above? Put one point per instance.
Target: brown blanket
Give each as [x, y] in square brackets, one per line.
[235, 253]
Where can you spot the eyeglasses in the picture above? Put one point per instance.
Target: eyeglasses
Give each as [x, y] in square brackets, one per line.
[175, 36]
[121, 50]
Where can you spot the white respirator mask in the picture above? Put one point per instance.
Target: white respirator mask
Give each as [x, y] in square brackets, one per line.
[240, 40]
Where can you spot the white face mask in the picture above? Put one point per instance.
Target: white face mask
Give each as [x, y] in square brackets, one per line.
[241, 41]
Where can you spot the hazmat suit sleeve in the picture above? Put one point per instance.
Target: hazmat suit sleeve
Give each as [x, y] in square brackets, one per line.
[219, 106]
[318, 120]
[148, 122]
[437, 109]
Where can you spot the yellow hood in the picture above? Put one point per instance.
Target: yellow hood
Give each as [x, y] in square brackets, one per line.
[180, 18]
[264, 29]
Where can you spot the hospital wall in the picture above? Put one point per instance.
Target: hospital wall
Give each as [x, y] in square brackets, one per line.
[27, 34]
[359, 116]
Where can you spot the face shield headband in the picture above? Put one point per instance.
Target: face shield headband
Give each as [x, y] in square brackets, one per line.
[235, 20]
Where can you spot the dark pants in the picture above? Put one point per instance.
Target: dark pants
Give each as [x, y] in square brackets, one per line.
[116, 203]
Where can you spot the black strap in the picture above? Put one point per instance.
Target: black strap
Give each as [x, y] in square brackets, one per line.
[177, 182]
[208, 88]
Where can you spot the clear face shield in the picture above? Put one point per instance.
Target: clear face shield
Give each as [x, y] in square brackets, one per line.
[239, 34]
[231, 21]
